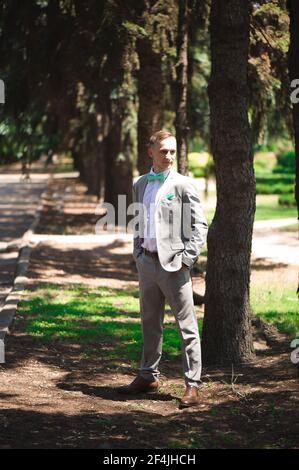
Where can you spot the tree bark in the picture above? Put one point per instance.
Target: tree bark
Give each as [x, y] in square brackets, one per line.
[119, 174]
[293, 62]
[227, 336]
[181, 121]
[150, 95]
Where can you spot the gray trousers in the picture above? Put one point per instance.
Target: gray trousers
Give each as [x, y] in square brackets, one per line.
[157, 285]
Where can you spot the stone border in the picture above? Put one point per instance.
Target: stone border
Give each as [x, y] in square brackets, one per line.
[24, 245]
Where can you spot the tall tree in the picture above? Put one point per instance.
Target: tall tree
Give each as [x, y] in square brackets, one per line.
[181, 120]
[227, 322]
[150, 94]
[153, 29]
[293, 60]
[121, 107]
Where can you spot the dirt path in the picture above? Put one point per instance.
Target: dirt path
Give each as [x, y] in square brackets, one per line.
[18, 203]
[271, 243]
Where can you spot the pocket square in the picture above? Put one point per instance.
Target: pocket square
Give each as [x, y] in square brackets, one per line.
[169, 196]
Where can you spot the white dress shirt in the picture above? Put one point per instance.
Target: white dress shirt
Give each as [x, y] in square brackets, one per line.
[149, 199]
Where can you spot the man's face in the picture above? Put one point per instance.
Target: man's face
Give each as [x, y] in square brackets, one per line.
[163, 154]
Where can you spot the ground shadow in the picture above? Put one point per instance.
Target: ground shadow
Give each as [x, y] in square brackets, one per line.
[266, 420]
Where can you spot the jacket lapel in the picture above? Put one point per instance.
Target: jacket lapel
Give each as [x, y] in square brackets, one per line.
[143, 183]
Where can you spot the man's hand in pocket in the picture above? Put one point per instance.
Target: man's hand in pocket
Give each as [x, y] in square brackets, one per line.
[185, 267]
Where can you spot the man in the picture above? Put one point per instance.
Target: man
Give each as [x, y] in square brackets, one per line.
[167, 241]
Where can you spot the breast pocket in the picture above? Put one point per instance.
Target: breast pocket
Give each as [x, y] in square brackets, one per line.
[170, 202]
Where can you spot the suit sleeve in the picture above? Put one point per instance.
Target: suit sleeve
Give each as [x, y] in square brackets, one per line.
[195, 226]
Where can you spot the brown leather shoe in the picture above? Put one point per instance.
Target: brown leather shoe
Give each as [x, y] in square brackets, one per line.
[139, 385]
[191, 397]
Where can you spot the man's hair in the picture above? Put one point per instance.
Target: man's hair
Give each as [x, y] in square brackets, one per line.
[159, 136]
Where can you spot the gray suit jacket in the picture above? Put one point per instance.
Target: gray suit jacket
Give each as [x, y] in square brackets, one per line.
[181, 227]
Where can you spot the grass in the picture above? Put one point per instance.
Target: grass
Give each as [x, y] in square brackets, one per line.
[277, 305]
[106, 321]
[212, 439]
[289, 228]
[267, 208]
[64, 168]
[274, 211]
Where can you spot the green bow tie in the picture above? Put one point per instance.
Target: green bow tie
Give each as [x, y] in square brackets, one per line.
[155, 177]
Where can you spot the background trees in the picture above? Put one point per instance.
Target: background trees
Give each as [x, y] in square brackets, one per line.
[73, 69]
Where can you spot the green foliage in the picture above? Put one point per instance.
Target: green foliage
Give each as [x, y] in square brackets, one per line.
[278, 178]
[264, 162]
[197, 172]
[66, 60]
[277, 188]
[25, 139]
[135, 29]
[270, 108]
[200, 164]
[285, 163]
[263, 148]
[274, 184]
[272, 179]
[287, 200]
[261, 166]
[200, 65]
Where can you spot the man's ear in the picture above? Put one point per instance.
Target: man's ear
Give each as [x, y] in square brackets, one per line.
[150, 152]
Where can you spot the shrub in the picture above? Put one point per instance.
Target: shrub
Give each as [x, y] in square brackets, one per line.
[285, 163]
[200, 164]
[274, 179]
[287, 200]
[277, 188]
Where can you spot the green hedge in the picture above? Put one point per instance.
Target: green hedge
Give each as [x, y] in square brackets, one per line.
[197, 172]
[275, 178]
[278, 188]
[287, 200]
[286, 161]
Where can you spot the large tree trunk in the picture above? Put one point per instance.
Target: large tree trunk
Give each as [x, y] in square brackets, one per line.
[181, 121]
[118, 155]
[150, 95]
[293, 60]
[119, 173]
[92, 157]
[227, 336]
